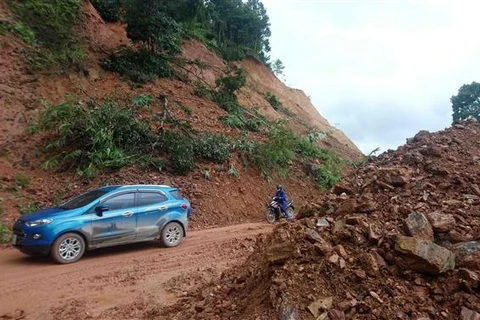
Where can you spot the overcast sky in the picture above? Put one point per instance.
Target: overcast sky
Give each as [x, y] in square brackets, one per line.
[378, 70]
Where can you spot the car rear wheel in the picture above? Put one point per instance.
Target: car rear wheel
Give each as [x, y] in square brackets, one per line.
[68, 248]
[171, 235]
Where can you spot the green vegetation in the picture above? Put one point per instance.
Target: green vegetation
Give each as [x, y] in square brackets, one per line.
[232, 171]
[214, 147]
[47, 28]
[99, 137]
[5, 233]
[283, 148]
[109, 10]
[233, 28]
[22, 180]
[180, 149]
[327, 174]
[143, 100]
[272, 99]
[138, 66]
[32, 207]
[277, 68]
[466, 104]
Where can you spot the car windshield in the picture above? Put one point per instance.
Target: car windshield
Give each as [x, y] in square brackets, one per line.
[82, 200]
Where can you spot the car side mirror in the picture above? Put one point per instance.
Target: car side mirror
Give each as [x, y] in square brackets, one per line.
[99, 210]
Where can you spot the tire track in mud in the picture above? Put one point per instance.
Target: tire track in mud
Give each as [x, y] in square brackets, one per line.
[33, 286]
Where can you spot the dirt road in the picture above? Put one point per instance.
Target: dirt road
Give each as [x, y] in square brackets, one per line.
[36, 288]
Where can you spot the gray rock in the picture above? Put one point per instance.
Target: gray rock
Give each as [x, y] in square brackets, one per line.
[467, 314]
[417, 226]
[467, 254]
[288, 313]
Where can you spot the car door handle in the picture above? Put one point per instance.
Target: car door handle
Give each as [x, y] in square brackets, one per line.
[127, 214]
[163, 208]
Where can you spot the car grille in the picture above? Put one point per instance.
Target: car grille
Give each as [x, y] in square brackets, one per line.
[20, 234]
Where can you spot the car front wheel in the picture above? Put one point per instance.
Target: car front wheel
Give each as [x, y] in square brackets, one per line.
[171, 235]
[68, 248]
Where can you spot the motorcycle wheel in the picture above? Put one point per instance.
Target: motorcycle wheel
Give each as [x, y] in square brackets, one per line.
[270, 216]
[291, 212]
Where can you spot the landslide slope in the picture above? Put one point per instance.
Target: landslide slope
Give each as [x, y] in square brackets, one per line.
[219, 200]
[397, 239]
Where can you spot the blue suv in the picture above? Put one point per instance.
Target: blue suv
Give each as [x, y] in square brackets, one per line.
[104, 217]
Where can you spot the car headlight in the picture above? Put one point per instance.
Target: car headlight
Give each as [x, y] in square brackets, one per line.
[37, 223]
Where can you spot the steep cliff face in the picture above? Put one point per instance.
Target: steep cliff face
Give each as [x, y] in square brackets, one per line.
[219, 200]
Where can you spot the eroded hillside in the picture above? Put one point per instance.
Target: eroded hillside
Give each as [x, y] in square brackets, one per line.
[219, 196]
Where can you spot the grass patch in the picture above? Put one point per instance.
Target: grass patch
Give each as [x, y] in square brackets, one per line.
[22, 180]
[32, 207]
[47, 27]
[5, 233]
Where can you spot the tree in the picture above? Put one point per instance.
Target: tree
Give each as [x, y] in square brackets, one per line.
[148, 22]
[466, 104]
[277, 68]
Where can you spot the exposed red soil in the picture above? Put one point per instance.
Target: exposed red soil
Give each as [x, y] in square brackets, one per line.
[106, 279]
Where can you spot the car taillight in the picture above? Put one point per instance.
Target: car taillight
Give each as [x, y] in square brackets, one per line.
[184, 206]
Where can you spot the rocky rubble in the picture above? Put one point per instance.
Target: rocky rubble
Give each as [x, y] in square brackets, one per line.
[397, 239]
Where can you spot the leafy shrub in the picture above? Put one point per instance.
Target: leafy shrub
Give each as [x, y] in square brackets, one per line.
[4, 233]
[200, 90]
[109, 10]
[105, 136]
[138, 66]
[307, 148]
[234, 120]
[22, 180]
[142, 100]
[272, 99]
[232, 171]
[180, 150]
[25, 33]
[226, 101]
[213, 147]
[254, 123]
[278, 153]
[232, 81]
[327, 174]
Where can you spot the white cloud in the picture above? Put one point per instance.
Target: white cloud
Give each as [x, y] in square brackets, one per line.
[365, 63]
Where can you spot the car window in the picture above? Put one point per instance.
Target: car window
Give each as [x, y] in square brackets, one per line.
[176, 194]
[122, 201]
[148, 198]
[82, 200]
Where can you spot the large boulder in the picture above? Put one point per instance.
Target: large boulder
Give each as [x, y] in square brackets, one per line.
[424, 255]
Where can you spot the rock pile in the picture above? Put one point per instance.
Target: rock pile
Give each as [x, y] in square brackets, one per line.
[397, 239]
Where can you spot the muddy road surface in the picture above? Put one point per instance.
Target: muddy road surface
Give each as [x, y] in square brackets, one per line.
[36, 288]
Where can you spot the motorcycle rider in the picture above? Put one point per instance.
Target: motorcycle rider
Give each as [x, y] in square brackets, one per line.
[282, 199]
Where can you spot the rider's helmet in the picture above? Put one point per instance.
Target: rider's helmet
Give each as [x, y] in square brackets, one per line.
[279, 187]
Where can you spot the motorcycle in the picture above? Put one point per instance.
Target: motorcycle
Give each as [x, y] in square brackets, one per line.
[274, 211]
